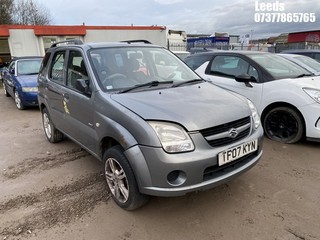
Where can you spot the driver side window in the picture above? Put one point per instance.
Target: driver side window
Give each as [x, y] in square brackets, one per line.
[76, 69]
[232, 66]
[12, 67]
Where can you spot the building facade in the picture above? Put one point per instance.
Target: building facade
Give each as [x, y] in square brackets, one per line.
[19, 40]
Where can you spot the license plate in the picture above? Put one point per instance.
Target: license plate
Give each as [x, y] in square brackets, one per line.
[237, 152]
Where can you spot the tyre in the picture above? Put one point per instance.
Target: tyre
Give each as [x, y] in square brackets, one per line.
[5, 91]
[283, 124]
[121, 180]
[18, 101]
[53, 135]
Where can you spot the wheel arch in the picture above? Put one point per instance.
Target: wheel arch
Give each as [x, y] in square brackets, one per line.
[283, 104]
[107, 143]
[42, 106]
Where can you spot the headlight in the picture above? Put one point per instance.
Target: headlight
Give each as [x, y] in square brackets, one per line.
[313, 93]
[254, 114]
[29, 89]
[174, 138]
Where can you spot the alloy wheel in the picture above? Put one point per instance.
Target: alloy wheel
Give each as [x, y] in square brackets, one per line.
[117, 180]
[282, 126]
[17, 100]
[47, 125]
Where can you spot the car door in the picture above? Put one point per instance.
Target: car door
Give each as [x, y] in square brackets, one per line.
[54, 90]
[8, 76]
[79, 106]
[222, 71]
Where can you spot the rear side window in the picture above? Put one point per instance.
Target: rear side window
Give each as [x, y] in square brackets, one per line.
[56, 72]
[44, 63]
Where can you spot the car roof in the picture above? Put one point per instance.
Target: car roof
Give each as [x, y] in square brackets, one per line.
[239, 52]
[301, 51]
[289, 55]
[128, 43]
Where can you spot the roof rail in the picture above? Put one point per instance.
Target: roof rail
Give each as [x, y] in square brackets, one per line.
[137, 41]
[71, 41]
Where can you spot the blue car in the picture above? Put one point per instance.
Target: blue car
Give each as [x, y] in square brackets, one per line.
[20, 81]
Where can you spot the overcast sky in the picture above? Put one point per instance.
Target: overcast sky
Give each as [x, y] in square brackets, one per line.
[193, 16]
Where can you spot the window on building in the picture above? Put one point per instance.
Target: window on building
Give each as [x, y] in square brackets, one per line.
[48, 41]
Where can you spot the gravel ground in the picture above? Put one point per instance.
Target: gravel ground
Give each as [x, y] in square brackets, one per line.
[57, 191]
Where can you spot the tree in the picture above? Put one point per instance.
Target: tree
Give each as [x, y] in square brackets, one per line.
[30, 12]
[6, 8]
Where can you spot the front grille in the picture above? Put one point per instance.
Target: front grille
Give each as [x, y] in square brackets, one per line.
[219, 135]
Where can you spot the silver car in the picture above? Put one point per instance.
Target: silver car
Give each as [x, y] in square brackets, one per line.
[156, 125]
[307, 63]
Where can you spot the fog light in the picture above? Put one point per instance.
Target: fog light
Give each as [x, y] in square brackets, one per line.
[176, 178]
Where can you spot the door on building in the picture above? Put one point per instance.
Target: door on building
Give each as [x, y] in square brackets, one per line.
[5, 55]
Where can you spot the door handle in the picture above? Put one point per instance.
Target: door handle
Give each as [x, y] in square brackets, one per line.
[65, 97]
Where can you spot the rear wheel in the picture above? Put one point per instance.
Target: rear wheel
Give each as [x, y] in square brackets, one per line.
[5, 90]
[283, 124]
[53, 135]
[121, 180]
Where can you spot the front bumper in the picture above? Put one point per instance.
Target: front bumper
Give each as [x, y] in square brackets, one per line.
[194, 171]
[311, 115]
[29, 98]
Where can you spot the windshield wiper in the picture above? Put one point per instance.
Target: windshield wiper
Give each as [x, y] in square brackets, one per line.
[148, 84]
[305, 75]
[188, 82]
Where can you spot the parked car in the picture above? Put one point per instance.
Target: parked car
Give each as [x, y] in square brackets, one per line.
[158, 128]
[196, 60]
[1, 72]
[20, 81]
[306, 62]
[286, 95]
[200, 50]
[181, 54]
[313, 53]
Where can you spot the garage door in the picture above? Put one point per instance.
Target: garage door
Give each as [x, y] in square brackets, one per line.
[4, 50]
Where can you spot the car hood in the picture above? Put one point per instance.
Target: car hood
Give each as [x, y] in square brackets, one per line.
[305, 82]
[28, 80]
[195, 107]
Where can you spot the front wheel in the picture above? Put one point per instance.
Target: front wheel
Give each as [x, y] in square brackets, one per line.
[121, 180]
[53, 135]
[283, 124]
[18, 101]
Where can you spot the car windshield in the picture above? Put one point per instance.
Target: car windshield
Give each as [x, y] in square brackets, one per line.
[121, 69]
[28, 67]
[309, 62]
[279, 67]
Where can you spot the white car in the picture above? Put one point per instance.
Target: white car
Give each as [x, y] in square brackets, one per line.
[307, 63]
[286, 95]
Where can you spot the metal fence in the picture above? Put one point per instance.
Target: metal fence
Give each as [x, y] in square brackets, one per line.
[276, 48]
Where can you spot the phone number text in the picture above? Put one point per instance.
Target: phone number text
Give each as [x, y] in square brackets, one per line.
[284, 17]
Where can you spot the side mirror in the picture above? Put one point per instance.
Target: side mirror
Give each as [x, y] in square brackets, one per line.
[11, 71]
[246, 78]
[82, 85]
